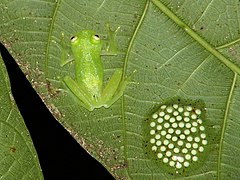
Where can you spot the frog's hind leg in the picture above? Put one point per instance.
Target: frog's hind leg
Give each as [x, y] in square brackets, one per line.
[118, 94]
[119, 91]
[80, 94]
[112, 86]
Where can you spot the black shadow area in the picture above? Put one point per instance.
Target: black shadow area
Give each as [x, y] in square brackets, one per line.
[60, 156]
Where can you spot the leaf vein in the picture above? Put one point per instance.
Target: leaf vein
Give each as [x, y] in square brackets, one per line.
[225, 124]
[50, 35]
[124, 74]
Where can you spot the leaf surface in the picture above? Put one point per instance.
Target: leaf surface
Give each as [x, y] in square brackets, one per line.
[17, 153]
[188, 49]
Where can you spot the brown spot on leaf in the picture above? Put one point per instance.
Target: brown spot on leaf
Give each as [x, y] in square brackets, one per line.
[13, 149]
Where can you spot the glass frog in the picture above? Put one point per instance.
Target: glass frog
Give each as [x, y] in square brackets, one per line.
[87, 86]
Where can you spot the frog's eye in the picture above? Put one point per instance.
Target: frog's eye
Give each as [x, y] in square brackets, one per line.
[95, 39]
[73, 38]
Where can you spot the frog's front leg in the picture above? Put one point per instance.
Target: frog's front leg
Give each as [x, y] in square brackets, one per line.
[110, 47]
[65, 56]
[79, 92]
[112, 85]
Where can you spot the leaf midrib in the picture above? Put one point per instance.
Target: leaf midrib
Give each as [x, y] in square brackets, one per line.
[124, 75]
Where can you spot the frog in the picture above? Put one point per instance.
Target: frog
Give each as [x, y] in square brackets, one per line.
[87, 86]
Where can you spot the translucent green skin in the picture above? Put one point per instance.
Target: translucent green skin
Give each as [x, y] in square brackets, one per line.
[88, 86]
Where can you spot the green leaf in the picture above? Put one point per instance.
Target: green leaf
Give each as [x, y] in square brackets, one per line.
[186, 49]
[18, 156]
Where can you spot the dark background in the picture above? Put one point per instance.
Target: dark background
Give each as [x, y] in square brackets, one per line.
[60, 156]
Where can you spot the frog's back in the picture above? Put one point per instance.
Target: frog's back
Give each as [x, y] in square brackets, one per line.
[88, 65]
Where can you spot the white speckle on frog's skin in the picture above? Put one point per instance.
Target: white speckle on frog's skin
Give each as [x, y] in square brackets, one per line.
[178, 136]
